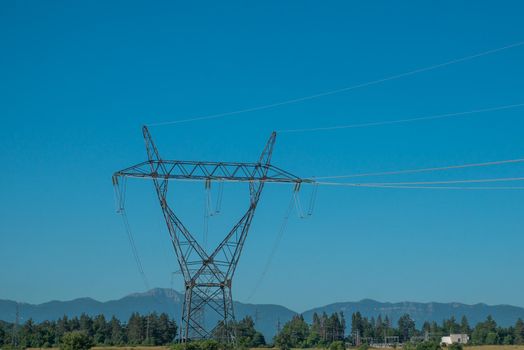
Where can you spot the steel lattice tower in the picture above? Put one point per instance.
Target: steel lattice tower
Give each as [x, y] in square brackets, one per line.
[207, 277]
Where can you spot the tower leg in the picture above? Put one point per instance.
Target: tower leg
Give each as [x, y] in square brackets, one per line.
[213, 298]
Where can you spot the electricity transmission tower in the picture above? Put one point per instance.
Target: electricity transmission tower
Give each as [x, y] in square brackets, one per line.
[207, 276]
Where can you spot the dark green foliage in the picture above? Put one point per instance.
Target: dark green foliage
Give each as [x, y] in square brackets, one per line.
[428, 345]
[464, 326]
[76, 340]
[508, 340]
[204, 345]
[186, 346]
[451, 326]
[244, 330]
[485, 333]
[337, 345]
[209, 345]
[293, 334]
[2, 335]
[492, 338]
[136, 329]
[406, 327]
[116, 332]
[519, 332]
[324, 331]
[258, 340]
[161, 331]
[455, 347]
[283, 341]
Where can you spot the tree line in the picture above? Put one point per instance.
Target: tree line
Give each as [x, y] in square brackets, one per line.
[151, 329]
[324, 331]
[328, 330]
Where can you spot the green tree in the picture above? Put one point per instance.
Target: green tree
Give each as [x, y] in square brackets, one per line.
[258, 340]
[519, 332]
[450, 326]
[117, 333]
[46, 334]
[245, 330]
[166, 329]
[455, 346]
[283, 341]
[86, 324]
[406, 327]
[73, 324]
[357, 325]
[294, 333]
[135, 329]
[492, 338]
[101, 334]
[62, 326]
[337, 345]
[316, 326]
[313, 339]
[485, 332]
[2, 334]
[464, 325]
[428, 345]
[507, 340]
[76, 340]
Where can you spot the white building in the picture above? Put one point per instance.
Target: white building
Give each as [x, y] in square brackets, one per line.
[455, 339]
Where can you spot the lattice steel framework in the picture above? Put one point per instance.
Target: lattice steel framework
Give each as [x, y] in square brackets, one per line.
[207, 277]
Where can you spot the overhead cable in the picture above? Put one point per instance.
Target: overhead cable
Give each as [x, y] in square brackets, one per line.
[356, 185]
[406, 120]
[280, 234]
[504, 179]
[420, 170]
[336, 91]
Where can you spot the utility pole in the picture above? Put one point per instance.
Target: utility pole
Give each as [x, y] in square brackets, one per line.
[208, 275]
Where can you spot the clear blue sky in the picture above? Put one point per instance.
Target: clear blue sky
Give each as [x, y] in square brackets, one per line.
[77, 81]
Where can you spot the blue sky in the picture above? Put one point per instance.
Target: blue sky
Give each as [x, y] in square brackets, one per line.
[77, 81]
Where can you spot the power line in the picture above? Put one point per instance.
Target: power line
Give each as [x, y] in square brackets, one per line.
[134, 249]
[269, 260]
[407, 120]
[505, 179]
[336, 91]
[420, 170]
[120, 194]
[483, 188]
[519, 188]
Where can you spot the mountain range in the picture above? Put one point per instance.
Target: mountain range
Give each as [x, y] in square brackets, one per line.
[266, 316]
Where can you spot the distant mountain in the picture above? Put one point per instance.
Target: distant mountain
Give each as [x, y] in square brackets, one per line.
[505, 315]
[266, 316]
[159, 300]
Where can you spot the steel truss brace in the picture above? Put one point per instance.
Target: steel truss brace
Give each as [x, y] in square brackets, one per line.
[207, 277]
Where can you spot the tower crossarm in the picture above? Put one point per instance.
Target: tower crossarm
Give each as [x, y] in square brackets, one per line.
[214, 171]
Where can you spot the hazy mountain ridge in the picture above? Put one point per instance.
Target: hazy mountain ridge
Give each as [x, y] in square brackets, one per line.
[266, 315]
[505, 315]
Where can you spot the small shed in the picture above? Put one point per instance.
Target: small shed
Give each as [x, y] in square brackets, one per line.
[455, 339]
